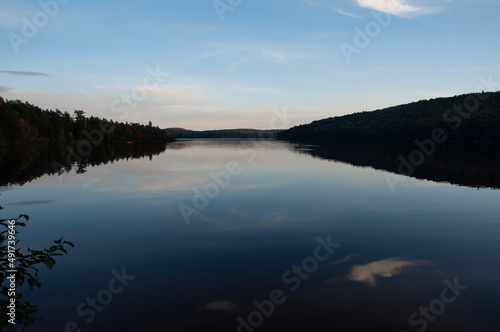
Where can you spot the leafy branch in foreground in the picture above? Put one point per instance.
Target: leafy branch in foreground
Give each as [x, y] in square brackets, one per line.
[25, 265]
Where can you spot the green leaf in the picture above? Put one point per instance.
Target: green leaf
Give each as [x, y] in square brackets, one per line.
[49, 262]
[34, 283]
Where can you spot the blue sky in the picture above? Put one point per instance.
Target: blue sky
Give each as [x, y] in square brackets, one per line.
[236, 63]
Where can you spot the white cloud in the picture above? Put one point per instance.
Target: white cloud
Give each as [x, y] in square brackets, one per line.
[113, 88]
[340, 11]
[385, 268]
[210, 54]
[192, 106]
[279, 55]
[325, 4]
[258, 90]
[397, 7]
[345, 259]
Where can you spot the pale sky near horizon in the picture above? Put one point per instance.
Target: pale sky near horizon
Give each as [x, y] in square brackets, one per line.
[236, 63]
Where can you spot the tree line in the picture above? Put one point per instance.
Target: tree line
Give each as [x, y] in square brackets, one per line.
[465, 118]
[23, 123]
[223, 133]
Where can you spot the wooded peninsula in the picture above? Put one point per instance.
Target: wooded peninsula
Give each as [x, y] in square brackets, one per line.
[24, 123]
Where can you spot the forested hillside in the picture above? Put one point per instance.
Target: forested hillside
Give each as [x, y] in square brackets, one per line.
[24, 123]
[465, 118]
[225, 133]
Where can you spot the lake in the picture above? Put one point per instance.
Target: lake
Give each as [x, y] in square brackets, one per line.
[242, 235]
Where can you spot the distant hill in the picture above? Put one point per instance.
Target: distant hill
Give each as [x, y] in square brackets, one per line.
[225, 133]
[464, 118]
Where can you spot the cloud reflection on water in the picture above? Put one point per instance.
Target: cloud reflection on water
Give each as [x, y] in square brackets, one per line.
[385, 268]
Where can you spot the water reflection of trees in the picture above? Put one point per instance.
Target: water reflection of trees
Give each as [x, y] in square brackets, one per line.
[19, 165]
[472, 165]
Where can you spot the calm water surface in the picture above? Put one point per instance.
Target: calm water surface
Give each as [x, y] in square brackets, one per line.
[331, 244]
